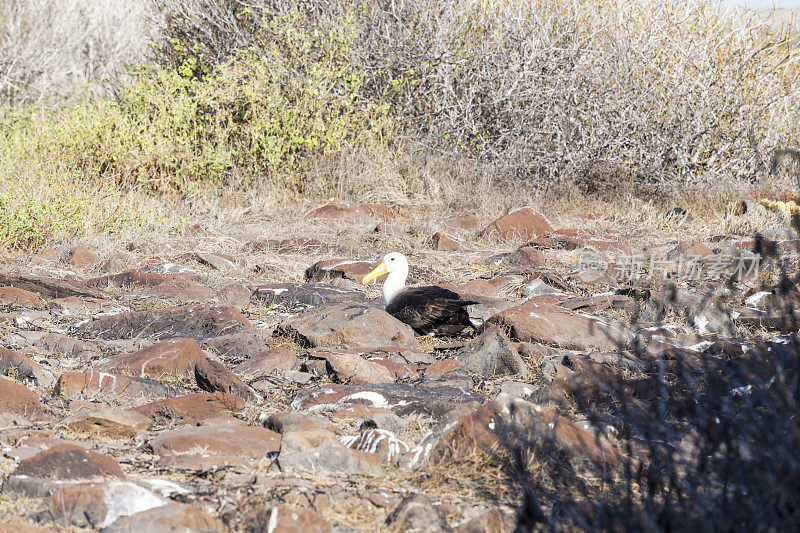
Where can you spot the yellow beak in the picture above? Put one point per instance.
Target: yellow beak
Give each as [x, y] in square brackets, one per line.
[380, 270]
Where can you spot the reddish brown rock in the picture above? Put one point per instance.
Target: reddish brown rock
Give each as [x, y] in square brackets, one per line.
[449, 243]
[171, 517]
[31, 443]
[81, 257]
[47, 287]
[192, 321]
[97, 505]
[292, 421]
[286, 519]
[330, 269]
[595, 244]
[269, 362]
[477, 288]
[600, 302]
[550, 324]
[525, 255]
[192, 408]
[212, 376]
[83, 306]
[480, 431]
[16, 297]
[520, 224]
[352, 212]
[689, 250]
[439, 368]
[350, 367]
[128, 279]
[218, 439]
[98, 385]
[107, 422]
[397, 370]
[20, 367]
[66, 462]
[236, 345]
[347, 326]
[171, 358]
[17, 399]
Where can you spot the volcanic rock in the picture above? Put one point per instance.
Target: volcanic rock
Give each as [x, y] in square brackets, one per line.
[331, 269]
[549, 324]
[171, 517]
[521, 224]
[349, 326]
[218, 439]
[192, 321]
[352, 212]
[108, 422]
[97, 505]
[15, 297]
[192, 408]
[378, 441]
[492, 354]
[212, 376]
[307, 294]
[416, 513]
[285, 519]
[47, 287]
[66, 462]
[268, 362]
[171, 358]
[512, 421]
[17, 399]
[102, 385]
[23, 368]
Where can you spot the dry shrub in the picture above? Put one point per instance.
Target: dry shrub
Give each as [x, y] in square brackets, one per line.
[53, 49]
[661, 91]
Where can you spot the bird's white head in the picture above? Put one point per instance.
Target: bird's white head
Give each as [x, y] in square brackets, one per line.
[396, 265]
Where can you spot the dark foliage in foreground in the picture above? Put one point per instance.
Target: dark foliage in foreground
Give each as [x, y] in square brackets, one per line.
[712, 443]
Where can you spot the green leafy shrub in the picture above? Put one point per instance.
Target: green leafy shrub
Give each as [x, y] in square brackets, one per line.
[28, 220]
[257, 115]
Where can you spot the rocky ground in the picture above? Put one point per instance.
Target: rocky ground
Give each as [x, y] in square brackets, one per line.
[244, 379]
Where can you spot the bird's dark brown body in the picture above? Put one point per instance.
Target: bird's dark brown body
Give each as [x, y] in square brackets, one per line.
[431, 309]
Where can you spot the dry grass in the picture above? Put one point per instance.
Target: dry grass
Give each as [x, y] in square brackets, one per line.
[564, 91]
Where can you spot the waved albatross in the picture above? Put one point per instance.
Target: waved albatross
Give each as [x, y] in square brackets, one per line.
[428, 309]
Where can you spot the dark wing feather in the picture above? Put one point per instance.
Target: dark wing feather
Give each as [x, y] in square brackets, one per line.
[424, 307]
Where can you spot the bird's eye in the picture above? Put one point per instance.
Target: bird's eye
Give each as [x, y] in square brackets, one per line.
[391, 259]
